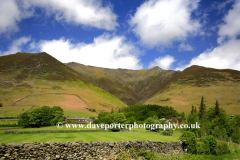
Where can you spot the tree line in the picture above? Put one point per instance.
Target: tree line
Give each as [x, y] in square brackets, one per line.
[215, 125]
[139, 112]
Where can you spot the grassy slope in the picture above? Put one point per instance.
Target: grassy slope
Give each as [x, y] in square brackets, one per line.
[187, 88]
[32, 74]
[12, 111]
[130, 86]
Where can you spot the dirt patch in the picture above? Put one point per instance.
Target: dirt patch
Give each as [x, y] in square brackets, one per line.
[179, 101]
[66, 102]
[72, 103]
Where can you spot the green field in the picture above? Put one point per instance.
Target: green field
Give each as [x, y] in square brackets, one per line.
[107, 137]
[8, 122]
[12, 111]
[84, 136]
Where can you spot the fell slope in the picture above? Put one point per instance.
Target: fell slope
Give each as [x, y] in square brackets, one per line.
[39, 75]
[186, 89]
[130, 86]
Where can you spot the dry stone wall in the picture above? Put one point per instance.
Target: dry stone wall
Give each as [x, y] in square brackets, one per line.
[80, 150]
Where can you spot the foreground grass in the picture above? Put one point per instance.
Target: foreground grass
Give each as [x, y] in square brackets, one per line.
[85, 137]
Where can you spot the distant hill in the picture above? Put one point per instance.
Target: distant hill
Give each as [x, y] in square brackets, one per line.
[166, 87]
[40, 77]
[186, 89]
[130, 86]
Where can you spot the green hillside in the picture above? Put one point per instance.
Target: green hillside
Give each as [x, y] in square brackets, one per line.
[40, 77]
[187, 88]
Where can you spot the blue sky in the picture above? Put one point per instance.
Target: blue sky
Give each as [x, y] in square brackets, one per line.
[131, 34]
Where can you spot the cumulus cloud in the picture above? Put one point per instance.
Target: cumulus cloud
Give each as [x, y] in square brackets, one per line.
[88, 13]
[162, 62]
[231, 27]
[16, 46]
[10, 15]
[105, 51]
[160, 22]
[184, 47]
[225, 56]
[79, 12]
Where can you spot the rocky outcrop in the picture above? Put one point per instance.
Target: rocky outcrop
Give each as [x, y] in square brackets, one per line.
[80, 150]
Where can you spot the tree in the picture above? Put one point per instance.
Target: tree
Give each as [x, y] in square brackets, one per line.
[217, 109]
[35, 117]
[212, 144]
[119, 118]
[149, 120]
[192, 111]
[112, 110]
[43, 116]
[190, 141]
[202, 108]
[236, 135]
[210, 113]
[1, 105]
[192, 119]
[24, 120]
[182, 115]
[56, 115]
[46, 113]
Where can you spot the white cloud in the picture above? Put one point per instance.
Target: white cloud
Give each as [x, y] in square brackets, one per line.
[105, 51]
[162, 62]
[88, 13]
[17, 45]
[225, 56]
[10, 15]
[79, 12]
[231, 27]
[160, 22]
[184, 47]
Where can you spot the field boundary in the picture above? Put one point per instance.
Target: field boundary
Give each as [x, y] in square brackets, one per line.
[47, 94]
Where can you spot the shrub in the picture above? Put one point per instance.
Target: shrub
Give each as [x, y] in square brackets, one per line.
[1, 105]
[212, 144]
[190, 140]
[222, 148]
[115, 129]
[203, 146]
[147, 155]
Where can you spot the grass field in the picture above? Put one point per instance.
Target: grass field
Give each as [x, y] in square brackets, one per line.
[8, 121]
[12, 111]
[85, 137]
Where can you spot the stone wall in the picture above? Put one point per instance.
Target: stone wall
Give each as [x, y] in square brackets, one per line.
[80, 150]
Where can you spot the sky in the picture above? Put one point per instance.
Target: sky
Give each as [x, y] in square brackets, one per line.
[129, 34]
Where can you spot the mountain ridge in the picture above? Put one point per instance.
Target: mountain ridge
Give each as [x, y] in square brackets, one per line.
[135, 84]
[180, 89]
